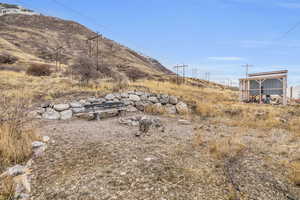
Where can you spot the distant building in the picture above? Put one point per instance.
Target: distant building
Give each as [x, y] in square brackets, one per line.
[15, 10]
[294, 92]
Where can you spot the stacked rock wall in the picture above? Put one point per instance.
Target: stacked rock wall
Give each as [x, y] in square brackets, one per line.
[131, 101]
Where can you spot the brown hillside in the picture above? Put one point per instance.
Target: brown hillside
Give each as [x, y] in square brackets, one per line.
[35, 39]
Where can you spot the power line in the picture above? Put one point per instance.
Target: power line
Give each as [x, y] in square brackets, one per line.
[289, 31]
[91, 19]
[247, 69]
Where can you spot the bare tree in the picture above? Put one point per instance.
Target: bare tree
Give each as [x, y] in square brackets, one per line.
[85, 68]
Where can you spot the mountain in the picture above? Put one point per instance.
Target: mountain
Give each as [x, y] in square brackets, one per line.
[36, 38]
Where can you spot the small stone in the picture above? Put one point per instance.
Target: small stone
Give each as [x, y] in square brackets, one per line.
[51, 114]
[37, 144]
[184, 122]
[109, 97]
[46, 138]
[61, 107]
[65, 115]
[173, 100]
[16, 170]
[148, 159]
[134, 98]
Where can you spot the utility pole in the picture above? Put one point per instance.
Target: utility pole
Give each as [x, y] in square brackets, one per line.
[177, 67]
[89, 43]
[57, 57]
[247, 68]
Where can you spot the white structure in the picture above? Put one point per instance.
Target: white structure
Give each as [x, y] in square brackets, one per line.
[294, 92]
[16, 10]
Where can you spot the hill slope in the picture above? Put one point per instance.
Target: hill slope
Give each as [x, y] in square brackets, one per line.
[36, 38]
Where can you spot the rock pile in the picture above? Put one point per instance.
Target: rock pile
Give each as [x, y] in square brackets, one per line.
[21, 174]
[131, 101]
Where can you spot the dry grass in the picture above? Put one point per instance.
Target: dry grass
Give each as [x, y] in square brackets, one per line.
[7, 188]
[155, 110]
[295, 172]
[16, 136]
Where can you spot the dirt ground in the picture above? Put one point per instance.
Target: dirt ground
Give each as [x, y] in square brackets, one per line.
[91, 160]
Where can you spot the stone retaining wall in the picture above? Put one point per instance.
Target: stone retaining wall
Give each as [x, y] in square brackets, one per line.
[133, 101]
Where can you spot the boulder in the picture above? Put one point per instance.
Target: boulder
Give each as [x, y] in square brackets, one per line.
[153, 99]
[127, 102]
[109, 97]
[67, 114]
[61, 107]
[139, 93]
[182, 108]
[51, 114]
[134, 98]
[144, 97]
[45, 105]
[75, 105]
[164, 99]
[124, 95]
[34, 114]
[131, 108]
[173, 100]
[104, 114]
[171, 109]
[78, 110]
[86, 116]
[140, 105]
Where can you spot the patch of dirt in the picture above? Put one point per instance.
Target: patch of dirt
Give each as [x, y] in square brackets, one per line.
[104, 160]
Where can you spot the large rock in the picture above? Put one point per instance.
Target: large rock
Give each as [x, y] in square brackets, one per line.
[127, 102]
[109, 97]
[104, 114]
[173, 100]
[164, 99]
[51, 114]
[131, 108]
[124, 95]
[75, 105]
[61, 107]
[171, 109]
[153, 99]
[133, 97]
[78, 110]
[67, 114]
[140, 105]
[182, 108]
[16, 170]
[86, 116]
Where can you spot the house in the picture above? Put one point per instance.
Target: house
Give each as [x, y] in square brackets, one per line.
[5, 10]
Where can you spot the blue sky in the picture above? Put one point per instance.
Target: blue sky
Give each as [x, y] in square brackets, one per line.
[216, 36]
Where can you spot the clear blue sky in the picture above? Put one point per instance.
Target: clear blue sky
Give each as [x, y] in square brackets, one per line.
[215, 36]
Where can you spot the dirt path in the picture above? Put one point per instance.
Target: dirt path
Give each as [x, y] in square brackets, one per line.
[104, 160]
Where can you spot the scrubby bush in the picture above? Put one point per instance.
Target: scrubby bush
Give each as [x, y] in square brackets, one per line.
[39, 70]
[85, 68]
[7, 59]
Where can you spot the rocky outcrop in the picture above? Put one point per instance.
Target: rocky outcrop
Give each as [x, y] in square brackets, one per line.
[110, 105]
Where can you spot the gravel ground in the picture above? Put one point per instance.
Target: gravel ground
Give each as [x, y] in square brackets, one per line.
[104, 160]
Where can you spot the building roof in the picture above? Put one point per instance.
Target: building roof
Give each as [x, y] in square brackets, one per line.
[268, 73]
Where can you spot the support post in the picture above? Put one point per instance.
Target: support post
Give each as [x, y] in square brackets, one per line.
[284, 91]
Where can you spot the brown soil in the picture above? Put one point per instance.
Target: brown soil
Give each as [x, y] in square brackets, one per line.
[104, 160]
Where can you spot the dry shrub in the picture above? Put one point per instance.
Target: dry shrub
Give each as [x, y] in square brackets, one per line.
[295, 172]
[7, 188]
[206, 109]
[7, 59]
[9, 68]
[155, 109]
[226, 148]
[85, 68]
[16, 136]
[39, 70]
